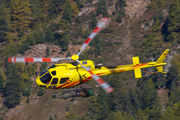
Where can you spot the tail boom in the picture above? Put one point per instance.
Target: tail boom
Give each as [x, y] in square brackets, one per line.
[158, 64]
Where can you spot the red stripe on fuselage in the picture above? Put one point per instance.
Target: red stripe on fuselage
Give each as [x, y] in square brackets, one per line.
[134, 66]
[83, 81]
[72, 84]
[141, 65]
[61, 85]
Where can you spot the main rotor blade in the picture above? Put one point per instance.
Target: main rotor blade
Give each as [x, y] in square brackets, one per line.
[96, 30]
[99, 81]
[33, 59]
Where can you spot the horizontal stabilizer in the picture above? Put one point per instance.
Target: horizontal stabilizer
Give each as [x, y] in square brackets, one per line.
[137, 71]
[135, 60]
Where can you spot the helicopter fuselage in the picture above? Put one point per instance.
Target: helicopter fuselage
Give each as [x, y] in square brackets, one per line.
[68, 75]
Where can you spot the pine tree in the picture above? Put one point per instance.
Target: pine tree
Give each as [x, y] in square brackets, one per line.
[174, 19]
[103, 2]
[1, 82]
[14, 14]
[5, 15]
[161, 3]
[156, 27]
[115, 116]
[119, 18]
[75, 10]
[149, 94]
[169, 114]
[78, 19]
[27, 101]
[94, 22]
[140, 115]
[68, 54]
[47, 51]
[71, 115]
[78, 4]
[40, 92]
[153, 2]
[99, 8]
[65, 42]
[105, 11]
[67, 14]
[172, 97]
[24, 14]
[1, 118]
[50, 118]
[46, 7]
[49, 36]
[43, 66]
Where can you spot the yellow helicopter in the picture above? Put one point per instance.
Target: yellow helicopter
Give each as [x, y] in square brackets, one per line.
[68, 75]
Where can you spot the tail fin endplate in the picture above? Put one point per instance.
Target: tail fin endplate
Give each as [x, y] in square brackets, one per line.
[161, 59]
[163, 56]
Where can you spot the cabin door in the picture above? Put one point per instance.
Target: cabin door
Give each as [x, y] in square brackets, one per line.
[53, 83]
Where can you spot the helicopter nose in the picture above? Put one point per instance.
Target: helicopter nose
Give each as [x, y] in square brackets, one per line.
[39, 83]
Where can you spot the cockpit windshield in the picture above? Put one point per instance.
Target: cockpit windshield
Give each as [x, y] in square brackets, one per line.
[46, 78]
[53, 66]
[43, 73]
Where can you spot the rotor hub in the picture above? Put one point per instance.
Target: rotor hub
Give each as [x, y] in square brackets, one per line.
[75, 57]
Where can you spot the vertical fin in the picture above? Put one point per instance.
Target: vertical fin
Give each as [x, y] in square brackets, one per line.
[162, 57]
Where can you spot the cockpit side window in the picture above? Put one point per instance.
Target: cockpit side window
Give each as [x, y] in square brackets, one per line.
[64, 80]
[54, 81]
[53, 72]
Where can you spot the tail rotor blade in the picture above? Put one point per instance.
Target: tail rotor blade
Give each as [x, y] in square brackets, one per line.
[99, 81]
[96, 30]
[32, 59]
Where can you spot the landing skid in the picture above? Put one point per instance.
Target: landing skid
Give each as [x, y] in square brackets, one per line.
[76, 92]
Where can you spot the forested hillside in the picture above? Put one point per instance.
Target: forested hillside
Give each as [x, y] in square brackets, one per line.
[66, 24]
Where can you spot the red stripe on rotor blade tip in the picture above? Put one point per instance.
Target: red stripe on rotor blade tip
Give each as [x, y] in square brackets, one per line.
[9, 59]
[46, 59]
[103, 21]
[29, 60]
[106, 18]
[96, 30]
[88, 40]
[111, 90]
[107, 88]
[90, 72]
[100, 81]
[14, 59]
